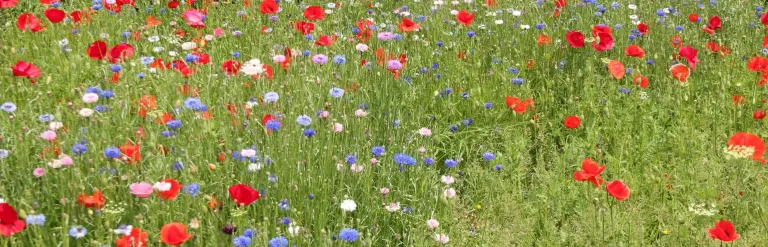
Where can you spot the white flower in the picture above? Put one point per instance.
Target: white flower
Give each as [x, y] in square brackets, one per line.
[85, 112]
[632, 6]
[55, 125]
[633, 17]
[162, 186]
[153, 38]
[356, 168]
[252, 67]
[158, 49]
[331, 5]
[517, 13]
[525, 27]
[329, 11]
[55, 163]
[425, 132]
[252, 167]
[293, 230]
[123, 230]
[90, 98]
[361, 47]
[188, 46]
[172, 53]
[348, 205]
[442, 238]
[248, 153]
[393, 207]
[104, 35]
[499, 22]
[454, 12]
[454, 2]
[208, 37]
[447, 180]
[361, 113]
[63, 42]
[438, 2]
[449, 193]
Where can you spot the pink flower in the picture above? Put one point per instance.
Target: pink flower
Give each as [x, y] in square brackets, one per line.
[425, 132]
[218, 32]
[90, 98]
[65, 160]
[194, 18]
[447, 179]
[337, 127]
[442, 238]
[432, 224]
[38, 172]
[48, 135]
[449, 193]
[325, 114]
[356, 168]
[361, 47]
[361, 113]
[422, 150]
[278, 58]
[384, 191]
[373, 161]
[141, 189]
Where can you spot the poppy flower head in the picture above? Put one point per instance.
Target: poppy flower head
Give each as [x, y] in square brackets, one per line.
[618, 190]
[634, 51]
[690, 54]
[92, 201]
[305, 27]
[169, 188]
[575, 39]
[641, 81]
[268, 7]
[27, 21]
[465, 18]
[174, 234]
[590, 171]
[724, 231]
[517, 105]
[5, 4]
[120, 52]
[572, 122]
[131, 151]
[25, 69]
[746, 145]
[55, 15]
[314, 13]
[136, 238]
[97, 50]
[9, 220]
[407, 25]
[194, 18]
[243, 195]
[680, 72]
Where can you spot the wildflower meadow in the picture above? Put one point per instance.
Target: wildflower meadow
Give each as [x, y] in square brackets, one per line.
[288, 123]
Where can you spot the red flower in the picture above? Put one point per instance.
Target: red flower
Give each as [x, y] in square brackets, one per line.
[77, 16]
[759, 114]
[92, 201]
[465, 18]
[643, 28]
[305, 27]
[723, 231]
[132, 152]
[137, 238]
[689, 54]
[518, 106]
[243, 195]
[120, 52]
[182, 68]
[572, 122]
[758, 64]
[314, 13]
[618, 190]
[575, 39]
[97, 50]
[4, 4]
[171, 193]
[202, 58]
[738, 100]
[680, 72]
[9, 220]
[173, 4]
[174, 234]
[407, 25]
[764, 19]
[676, 41]
[634, 51]
[231, 67]
[55, 15]
[24, 69]
[325, 40]
[603, 38]
[714, 23]
[29, 22]
[641, 81]
[268, 7]
[693, 18]
[590, 171]
[744, 144]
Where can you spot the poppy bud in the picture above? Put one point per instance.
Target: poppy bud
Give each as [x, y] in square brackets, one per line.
[759, 114]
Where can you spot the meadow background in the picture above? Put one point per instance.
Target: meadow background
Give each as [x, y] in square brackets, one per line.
[664, 141]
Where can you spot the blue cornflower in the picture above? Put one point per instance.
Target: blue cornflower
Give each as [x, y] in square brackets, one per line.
[304, 120]
[470, 34]
[513, 70]
[112, 152]
[306, 53]
[241, 241]
[79, 148]
[378, 151]
[107, 94]
[517, 81]
[35, 219]
[286, 221]
[278, 242]
[177, 166]
[250, 233]
[271, 97]
[453, 128]
[116, 68]
[339, 59]
[467, 122]
[450, 163]
[396, 123]
[488, 156]
[625, 91]
[465, 95]
[4, 154]
[273, 125]
[191, 58]
[309, 132]
[428, 161]
[488, 105]
[192, 189]
[141, 75]
[168, 134]
[615, 5]
[235, 54]
[439, 44]
[272, 178]
[764, 51]
[8, 107]
[336, 92]
[45, 118]
[679, 28]
[351, 159]
[78, 232]
[632, 37]
[404, 159]
[192, 103]
[349, 235]
[283, 204]
[147, 60]
[174, 124]
[650, 62]
[498, 167]
[541, 26]
[660, 13]
[101, 108]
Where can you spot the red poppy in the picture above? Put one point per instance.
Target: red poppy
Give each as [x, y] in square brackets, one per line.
[173, 4]
[572, 122]
[55, 15]
[764, 19]
[314, 13]
[676, 41]
[136, 238]
[29, 22]
[182, 68]
[132, 152]
[9, 220]
[543, 40]
[77, 15]
[590, 171]
[269, 7]
[305, 27]
[713, 47]
[120, 52]
[758, 63]
[618, 190]
[174, 234]
[4, 4]
[738, 100]
[706, 29]
[746, 144]
[617, 69]
[365, 31]
[518, 106]
[242, 194]
[146, 103]
[575, 39]
[759, 114]
[765, 42]
[407, 25]
[634, 51]
[171, 193]
[714, 23]
[689, 53]
[641, 81]
[97, 50]
[231, 67]
[603, 38]
[643, 28]
[724, 231]
[693, 18]
[24, 69]
[680, 72]
[560, 4]
[92, 201]
[465, 18]
[325, 40]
